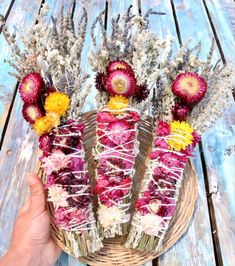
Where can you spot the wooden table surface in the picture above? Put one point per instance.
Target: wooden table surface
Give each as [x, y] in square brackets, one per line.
[210, 239]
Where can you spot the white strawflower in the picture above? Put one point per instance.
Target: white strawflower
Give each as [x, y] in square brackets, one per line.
[58, 196]
[109, 216]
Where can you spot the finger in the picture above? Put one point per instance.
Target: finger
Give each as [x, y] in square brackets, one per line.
[24, 208]
[37, 197]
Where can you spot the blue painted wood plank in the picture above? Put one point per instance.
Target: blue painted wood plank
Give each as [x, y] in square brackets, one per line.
[219, 151]
[194, 24]
[163, 26]
[7, 214]
[22, 14]
[193, 19]
[93, 8]
[222, 14]
[4, 6]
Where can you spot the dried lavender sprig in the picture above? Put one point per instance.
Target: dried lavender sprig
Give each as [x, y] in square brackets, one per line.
[127, 19]
[55, 33]
[93, 27]
[151, 12]
[209, 58]
[61, 31]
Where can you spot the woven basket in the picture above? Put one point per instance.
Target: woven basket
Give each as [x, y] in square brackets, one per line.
[113, 252]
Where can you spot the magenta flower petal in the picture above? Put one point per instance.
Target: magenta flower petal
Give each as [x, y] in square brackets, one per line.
[114, 65]
[189, 87]
[31, 87]
[31, 112]
[120, 82]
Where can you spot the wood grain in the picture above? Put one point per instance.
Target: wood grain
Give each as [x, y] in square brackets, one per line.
[17, 19]
[219, 151]
[222, 16]
[9, 194]
[4, 6]
[164, 26]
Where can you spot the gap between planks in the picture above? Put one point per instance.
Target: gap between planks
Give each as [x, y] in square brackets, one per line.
[7, 13]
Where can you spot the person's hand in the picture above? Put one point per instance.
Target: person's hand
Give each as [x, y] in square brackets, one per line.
[31, 242]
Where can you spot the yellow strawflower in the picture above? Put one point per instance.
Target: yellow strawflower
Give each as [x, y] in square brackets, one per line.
[181, 135]
[57, 102]
[117, 102]
[46, 123]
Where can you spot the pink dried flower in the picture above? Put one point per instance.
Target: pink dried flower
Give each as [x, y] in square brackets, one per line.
[161, 143]
[56, 161]
[180, 112]
[189, 87]
[163, 129]
[121, 82]
[100, 81]
[31, 87]
[141, 93]
[105, 117]
[45, 144]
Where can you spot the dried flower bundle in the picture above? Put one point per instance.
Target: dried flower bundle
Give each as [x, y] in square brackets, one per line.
[68, 185]
[52, 92]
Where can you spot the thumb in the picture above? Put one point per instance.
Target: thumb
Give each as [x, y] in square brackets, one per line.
[37, 195]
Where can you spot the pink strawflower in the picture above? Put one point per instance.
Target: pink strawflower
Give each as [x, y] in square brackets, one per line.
[45, 144]
[120, 82]
[171, 160]
[154, 155]
[31, 112]
[31, 87]
[63, 217]
[76, 164]
[132, 116]
[119, 132]
[141, 93]
[189, 87]
[180, 112]
[167, 211]
[50, 181]
[163, 129]
[100, 81]
[105, 117]
[161, 143]
[55, 162]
